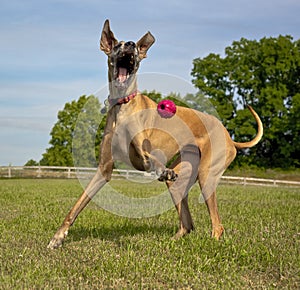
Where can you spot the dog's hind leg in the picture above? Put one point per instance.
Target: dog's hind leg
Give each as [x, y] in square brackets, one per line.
[217, 228]
[208, 180]
[186, 166]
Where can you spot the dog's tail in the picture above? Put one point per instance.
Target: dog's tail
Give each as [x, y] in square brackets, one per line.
[258, 136]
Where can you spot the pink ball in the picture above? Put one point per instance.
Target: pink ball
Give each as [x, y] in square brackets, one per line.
[166, 108]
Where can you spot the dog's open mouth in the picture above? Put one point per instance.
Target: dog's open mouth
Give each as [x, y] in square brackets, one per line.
[124, 67]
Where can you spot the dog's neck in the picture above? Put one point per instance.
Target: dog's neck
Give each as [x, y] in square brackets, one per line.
[122, 100]
[121, 95]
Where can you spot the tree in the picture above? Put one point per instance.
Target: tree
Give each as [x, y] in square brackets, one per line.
[153, 95]
[88, 134]
[266, 75]
[157, 97]
[76, 135]
[31, 162]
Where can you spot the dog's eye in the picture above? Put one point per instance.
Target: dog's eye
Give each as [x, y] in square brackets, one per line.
[117, 46]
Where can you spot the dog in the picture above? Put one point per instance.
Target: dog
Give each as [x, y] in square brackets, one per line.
[198, 145]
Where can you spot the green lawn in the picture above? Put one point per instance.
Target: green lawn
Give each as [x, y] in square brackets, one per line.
[260, 248]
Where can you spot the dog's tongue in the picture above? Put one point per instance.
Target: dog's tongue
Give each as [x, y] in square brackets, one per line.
[122, 74]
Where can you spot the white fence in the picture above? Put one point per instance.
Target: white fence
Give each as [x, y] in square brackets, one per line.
[258, 181]
[65, 172]
[81, 172]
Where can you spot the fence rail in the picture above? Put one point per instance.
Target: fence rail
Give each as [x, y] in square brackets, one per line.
[84, 172]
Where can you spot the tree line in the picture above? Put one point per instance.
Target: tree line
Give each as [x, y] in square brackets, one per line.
[264, 74]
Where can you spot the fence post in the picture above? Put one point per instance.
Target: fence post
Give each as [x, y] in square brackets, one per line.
[9, 171]
[69, 172]
[39, 172]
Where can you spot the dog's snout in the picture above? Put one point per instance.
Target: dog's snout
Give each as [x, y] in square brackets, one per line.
[130, 44]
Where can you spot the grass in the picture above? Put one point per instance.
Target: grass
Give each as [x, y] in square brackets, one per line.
[260, 248]
[258, 172]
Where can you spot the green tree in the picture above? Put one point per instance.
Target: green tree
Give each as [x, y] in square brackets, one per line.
[88, 134]
[31, 162]
[76, 133]
[153, 95]
[200, 103]
[157, 97]
[266, 75]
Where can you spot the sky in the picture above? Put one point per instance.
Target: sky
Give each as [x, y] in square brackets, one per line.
[49, 52]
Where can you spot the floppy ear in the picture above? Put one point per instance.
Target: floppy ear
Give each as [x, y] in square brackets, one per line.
[144, 44]
[108, 40]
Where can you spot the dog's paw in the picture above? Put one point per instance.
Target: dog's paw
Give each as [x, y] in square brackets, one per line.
[168, 175]
[217, 232]
[57, 240]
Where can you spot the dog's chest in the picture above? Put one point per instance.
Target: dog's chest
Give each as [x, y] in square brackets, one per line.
[127, 125]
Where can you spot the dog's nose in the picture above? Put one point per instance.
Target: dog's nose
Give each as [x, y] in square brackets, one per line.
[130, 43]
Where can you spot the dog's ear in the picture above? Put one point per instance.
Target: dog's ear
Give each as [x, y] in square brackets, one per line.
[108, 40]
[144, 44]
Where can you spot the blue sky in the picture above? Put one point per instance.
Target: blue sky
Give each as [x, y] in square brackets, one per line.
[49, 51]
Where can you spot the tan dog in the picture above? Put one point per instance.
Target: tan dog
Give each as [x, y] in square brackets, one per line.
[136, 134]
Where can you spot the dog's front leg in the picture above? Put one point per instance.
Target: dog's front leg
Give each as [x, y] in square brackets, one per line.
[163, 173]
[153, 160]
[102, 176]
[96, 183]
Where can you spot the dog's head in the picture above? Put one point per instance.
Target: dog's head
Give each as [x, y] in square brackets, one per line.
[123, 57]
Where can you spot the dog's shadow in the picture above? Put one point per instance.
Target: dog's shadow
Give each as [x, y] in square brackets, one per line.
[116, 233]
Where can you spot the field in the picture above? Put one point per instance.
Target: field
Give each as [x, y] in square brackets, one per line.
[260, 248]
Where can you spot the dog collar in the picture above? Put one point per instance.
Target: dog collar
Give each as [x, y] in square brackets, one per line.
[122, 100]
